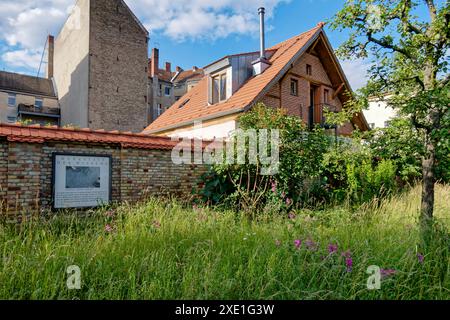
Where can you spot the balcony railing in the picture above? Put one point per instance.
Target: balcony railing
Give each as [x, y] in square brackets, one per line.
[24, 109]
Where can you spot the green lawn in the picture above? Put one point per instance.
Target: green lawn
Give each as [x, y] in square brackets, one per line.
[160, 250]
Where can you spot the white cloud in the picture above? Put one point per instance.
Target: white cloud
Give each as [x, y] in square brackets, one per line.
[24, 24]
[23, 58]
[202, 19]
[356, 72]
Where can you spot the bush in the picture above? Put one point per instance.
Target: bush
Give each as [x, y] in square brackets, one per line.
[313, 170]
[353, 174]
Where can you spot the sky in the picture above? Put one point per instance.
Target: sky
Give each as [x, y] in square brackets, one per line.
[187, 32]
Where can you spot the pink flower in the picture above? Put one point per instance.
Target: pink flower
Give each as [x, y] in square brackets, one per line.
[108, 228]
[311, 245]
[332, 248]
[274, 186]
[385, 273]
[156, 224]
[298, 243]
[110, 213]
[288, 201]
[292, 216]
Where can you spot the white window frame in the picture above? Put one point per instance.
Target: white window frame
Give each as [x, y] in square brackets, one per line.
[221, 97]
[159, 109]
[36, 102]
[14, 96]
[11, 119]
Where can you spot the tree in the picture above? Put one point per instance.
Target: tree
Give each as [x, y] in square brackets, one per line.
[410, 58]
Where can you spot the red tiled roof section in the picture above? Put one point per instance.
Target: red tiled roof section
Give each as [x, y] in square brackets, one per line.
[38, 134]
[197, 105]
[189, 75]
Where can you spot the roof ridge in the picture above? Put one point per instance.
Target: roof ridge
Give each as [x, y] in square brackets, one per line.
[320, 25]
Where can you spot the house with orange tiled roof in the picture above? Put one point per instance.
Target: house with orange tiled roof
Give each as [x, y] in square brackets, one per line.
[301, 75]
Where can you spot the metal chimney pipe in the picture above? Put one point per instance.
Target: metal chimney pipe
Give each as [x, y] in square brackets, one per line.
[261, 12]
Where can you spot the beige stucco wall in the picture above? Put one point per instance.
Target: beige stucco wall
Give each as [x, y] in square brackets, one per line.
[71, 62]
[6, 111]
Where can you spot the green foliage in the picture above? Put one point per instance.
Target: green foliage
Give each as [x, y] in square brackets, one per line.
[354, 175]
[163, 250]
[300, 152]
[402, 144]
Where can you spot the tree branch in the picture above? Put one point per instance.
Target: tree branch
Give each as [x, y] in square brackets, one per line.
[419, 125]
[431, 9]
[387, 45]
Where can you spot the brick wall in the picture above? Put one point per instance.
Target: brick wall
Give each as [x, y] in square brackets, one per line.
[280, 93]
[118, 69]
[26, 171]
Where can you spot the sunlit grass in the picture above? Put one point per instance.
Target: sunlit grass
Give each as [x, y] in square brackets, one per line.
[163, 250]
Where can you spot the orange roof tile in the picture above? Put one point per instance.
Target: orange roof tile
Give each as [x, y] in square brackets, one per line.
[197, 107]
[38, 134]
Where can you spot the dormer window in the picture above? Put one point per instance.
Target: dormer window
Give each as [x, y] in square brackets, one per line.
[219, 88]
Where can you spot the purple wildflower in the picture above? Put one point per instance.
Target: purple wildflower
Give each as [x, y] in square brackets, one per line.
[108, 228]
[292, 216]
[332, 248]
[349, 264]
[420, 258]
[385, 273]
[311, 245]
[298, 243]
[288, 201]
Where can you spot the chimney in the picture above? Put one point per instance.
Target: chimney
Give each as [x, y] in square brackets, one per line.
[168, 67]
[194, 68]
[155, 62]
[262, 35]
[179, 69]
[51, 53]
[260, 65]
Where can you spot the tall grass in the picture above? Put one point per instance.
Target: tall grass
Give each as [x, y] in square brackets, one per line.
[162, 250]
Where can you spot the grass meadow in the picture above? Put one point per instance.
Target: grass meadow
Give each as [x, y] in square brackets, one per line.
[162, 249]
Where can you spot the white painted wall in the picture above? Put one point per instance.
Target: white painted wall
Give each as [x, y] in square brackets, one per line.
[71, 62]
[379, 113]
[221, 130]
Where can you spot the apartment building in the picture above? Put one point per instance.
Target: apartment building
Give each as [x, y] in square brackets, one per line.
[165, 86]
[28, 99]
[100, 67]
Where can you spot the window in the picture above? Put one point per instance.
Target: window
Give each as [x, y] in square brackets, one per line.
[167, 91]
[38, 103]
[309, 70]
[326, 95]
[159, 110]
[184, 103]
[219, 88]
[11, 100]
[11, 119]
[294, 87]
[160, 90]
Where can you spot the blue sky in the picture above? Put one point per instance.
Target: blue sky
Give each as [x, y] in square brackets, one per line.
[187, 32]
